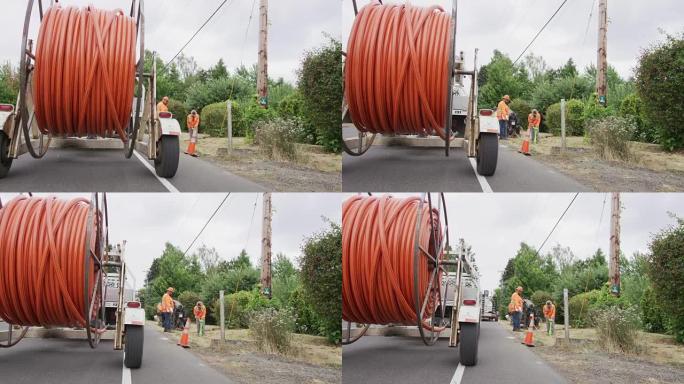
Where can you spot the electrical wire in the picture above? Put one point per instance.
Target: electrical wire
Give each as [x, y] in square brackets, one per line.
[557, 222]
[397, 69]
[378, 243]
[206, 224]
[84, 77]
[251, 222]
[540, 31]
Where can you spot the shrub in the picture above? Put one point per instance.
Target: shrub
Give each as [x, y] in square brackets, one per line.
[320, 83]
[214, 122]
[277, 139]
[292, 108]
[201, 94]
[539, 298]
[306, 319]
[553, 119]
[523, 109]
[610, 137]
[617, 329]
[179, 112]
[250, 114]
[574, 118]
[653, 317]
[584, 306]
[632, 107]
[659, 82]
[666, 269]
[189, 299]
[272, 330]
[240, 305]
[593, 111]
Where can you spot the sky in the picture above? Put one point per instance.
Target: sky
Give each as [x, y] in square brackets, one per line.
[295, 27]
[148, 221]
[495, 224]
[509, 25]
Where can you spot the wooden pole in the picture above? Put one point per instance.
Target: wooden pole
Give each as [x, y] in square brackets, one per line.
[602, 60]
[615, 245]
[563, 143]
[266, 247]
[566, 313]
[223, 316]
[229, 117]
[262, 74]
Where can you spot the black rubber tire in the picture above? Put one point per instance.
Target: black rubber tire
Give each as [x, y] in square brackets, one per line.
[135, 337]
[487, 153]
[166, 163]
[468, 342]
[5, 161]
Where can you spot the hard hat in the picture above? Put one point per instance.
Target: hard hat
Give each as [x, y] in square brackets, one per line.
[506, 97]
[548, 302]
[170, 289]
[194, 112]
[199, 303]
[519, 288]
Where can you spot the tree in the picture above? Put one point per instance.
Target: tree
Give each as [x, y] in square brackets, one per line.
[499, 77]
[208, 257]
[285, 278]
[9, 84]
[531, 271]
[219, 71]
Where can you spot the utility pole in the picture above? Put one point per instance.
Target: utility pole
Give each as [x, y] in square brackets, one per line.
[615, 245]
[262, 74]
[266, 247]
[602, 61]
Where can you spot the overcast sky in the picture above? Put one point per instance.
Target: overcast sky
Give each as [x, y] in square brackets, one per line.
[496, 224]
[295, 26]
[509, 25]
[148, 221]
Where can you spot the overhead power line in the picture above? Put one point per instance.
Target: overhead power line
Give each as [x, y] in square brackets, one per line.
[197, 32]
[540, 31]
[206, 224]
[557, 222]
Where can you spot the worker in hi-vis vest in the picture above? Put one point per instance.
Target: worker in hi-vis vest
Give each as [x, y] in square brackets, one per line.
[200, 312]
[167, 307]
[550, 316]
[502, 113]
[193, 130]
[533, 122]
[516, 308]
[163, 105]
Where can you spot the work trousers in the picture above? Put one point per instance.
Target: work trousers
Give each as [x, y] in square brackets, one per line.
[516, 320]
[503, 129]
[166, 321]
[534, 132]
[200, 327]
[549, 327]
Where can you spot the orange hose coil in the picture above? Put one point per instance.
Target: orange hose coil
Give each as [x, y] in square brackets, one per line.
[83, 84]
[42, 262]
[397, 69]
[378, 239]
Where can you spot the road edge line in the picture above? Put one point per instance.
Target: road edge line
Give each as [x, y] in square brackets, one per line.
[486, 188]
[126, 374]
[167, 184]
[458, 375]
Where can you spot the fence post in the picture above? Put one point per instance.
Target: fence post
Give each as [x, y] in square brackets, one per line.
[223, 317]
[566, 315]
[230, 125]
[563, 144]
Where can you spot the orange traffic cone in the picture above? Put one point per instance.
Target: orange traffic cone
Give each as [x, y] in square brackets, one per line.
[525, 148]
[193, 143]
[185, 337]
[529, 337]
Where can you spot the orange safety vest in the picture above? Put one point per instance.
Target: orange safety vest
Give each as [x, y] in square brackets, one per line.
[167, 303]
[533, 122]
[516, 302]
[200, 313]
[193, 122]
[502, 111]
[550, 312]
[161, 107]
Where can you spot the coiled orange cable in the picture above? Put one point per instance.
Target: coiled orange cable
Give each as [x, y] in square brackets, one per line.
[397, 69]
[42, 262]
[85, 72]
[378, 240]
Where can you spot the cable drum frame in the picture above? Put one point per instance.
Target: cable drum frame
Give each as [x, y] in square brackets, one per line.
[362, 148]
[438, 323]
[24, 116]
[94, 257]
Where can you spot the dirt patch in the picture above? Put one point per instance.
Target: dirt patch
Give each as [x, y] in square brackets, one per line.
[582, 361]
[315, 171]
[653, 169]
[313, 362]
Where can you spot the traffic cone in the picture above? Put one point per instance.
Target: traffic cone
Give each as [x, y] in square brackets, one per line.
[193, 143]
[529, 337]
[185, 337]
[525, 148]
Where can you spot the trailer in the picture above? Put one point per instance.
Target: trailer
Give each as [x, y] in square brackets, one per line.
[155, 134]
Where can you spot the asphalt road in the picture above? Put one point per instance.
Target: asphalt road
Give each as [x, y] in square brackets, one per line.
[78, 170]
[406, 169]
[56, 361]
[391, 360]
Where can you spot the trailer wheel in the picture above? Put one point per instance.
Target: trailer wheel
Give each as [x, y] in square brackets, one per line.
[487, 153]
[166, 163]
[468, 341]
[133, 349]
[5, 160]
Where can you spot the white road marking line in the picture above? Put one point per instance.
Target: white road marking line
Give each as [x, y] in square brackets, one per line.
[126, 374]
[510, 337]
[486, 188]
[458, 375]
[164, 338]
[167, 184]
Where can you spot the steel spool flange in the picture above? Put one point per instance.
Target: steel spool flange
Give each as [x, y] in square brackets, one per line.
[96, 240]
[132, 131]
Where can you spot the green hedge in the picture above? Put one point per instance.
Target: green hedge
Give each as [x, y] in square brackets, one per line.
[574, 118]
[522, 108]
[180, 112]
[246, 115]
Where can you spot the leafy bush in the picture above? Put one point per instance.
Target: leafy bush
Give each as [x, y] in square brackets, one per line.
[201, 94]
[9, 84]
[272, 330]
[659, 82]
[610, 137]
[292, 108]
[179, 111]
[306, 319]
[277, 139]
[539, 298]
[574, 118]
[240, 305]
[189, 299]
[593, 111]
[523, 109]
[653, 317]
[250, 114]
[322, 278]
[584, 307]
[320, 83]
[666, 269]
[617, 329]
[214, 121]
[632, 107]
